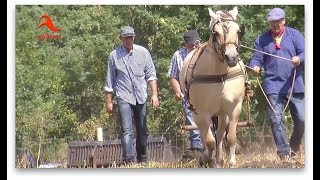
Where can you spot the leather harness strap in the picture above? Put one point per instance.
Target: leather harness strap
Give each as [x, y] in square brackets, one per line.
[192, 65]
[215, 78]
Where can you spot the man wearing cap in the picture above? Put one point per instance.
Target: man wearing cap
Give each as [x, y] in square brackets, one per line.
[191, 40]
[130, 68]
[286, 42]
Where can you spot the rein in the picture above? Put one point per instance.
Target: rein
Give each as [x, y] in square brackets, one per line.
[264, 94]
[266, 53]
[290, 95]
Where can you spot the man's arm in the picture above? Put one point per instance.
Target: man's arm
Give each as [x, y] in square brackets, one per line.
[111, 72]
[151, 77]
[257, 58]
[173, 73]
[109, 105]
[299, 47]
[154, 94]
[175, 85]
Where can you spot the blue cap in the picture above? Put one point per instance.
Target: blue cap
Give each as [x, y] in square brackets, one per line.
[127, 31]
[275, 14]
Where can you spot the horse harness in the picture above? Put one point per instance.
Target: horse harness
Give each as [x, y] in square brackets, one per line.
[213, 79]
[219, 50]
[205, 78]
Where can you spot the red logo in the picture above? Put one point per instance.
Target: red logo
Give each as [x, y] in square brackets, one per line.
[49, 24]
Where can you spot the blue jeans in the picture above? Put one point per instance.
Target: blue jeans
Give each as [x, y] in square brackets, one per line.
[296, 106]
[194, 135]
[140, 120]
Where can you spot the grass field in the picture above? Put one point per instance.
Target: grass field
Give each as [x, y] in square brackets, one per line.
[268, 159]
[254, 159]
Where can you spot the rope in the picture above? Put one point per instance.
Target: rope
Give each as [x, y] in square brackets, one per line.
[291, 90]
[266, 53]
[290, 95]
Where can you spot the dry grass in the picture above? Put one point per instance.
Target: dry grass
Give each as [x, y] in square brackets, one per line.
[21, 162]
[268, 159]
[264, 160]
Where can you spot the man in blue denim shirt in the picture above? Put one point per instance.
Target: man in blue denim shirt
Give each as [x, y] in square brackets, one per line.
[130, 68]
[288, 43]
[191, 40]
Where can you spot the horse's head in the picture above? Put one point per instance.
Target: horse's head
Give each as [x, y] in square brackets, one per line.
[225, 34]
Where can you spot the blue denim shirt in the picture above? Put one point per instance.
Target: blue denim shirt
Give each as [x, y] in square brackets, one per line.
[279, 72]
[177, 62]
[128, 74]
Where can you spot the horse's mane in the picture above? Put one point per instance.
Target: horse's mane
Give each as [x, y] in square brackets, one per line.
[223, 15]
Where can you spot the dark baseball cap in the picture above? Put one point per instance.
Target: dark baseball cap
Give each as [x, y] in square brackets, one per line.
[191, 36]
[127, 31]
[275, 14]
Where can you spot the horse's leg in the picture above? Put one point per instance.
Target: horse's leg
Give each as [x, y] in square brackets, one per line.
[207, 140]
[222, 124]
[232, 134]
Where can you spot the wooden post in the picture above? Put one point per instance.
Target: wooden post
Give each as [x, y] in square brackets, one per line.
[99, 134]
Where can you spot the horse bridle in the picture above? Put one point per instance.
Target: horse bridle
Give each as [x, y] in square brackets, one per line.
[221, 48]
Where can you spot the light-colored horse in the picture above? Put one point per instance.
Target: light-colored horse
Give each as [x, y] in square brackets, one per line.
[215, 83]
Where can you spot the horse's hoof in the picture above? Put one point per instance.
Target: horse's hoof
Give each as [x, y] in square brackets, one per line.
[220, 163]
[232, 165]
[204, 162]
[201, 161]
[212, 163]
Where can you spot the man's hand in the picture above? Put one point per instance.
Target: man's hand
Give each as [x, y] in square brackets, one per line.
[296, 60]
[155, 101]
[255, 71]
[179, 96]
[109, 107]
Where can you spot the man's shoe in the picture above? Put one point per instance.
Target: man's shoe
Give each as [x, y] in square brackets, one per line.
[129, 162]
[293, 154]
[285, 158]
[143, 164]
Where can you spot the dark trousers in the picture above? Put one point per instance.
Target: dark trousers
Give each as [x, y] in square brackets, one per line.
[139, 112]
[296, 106]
